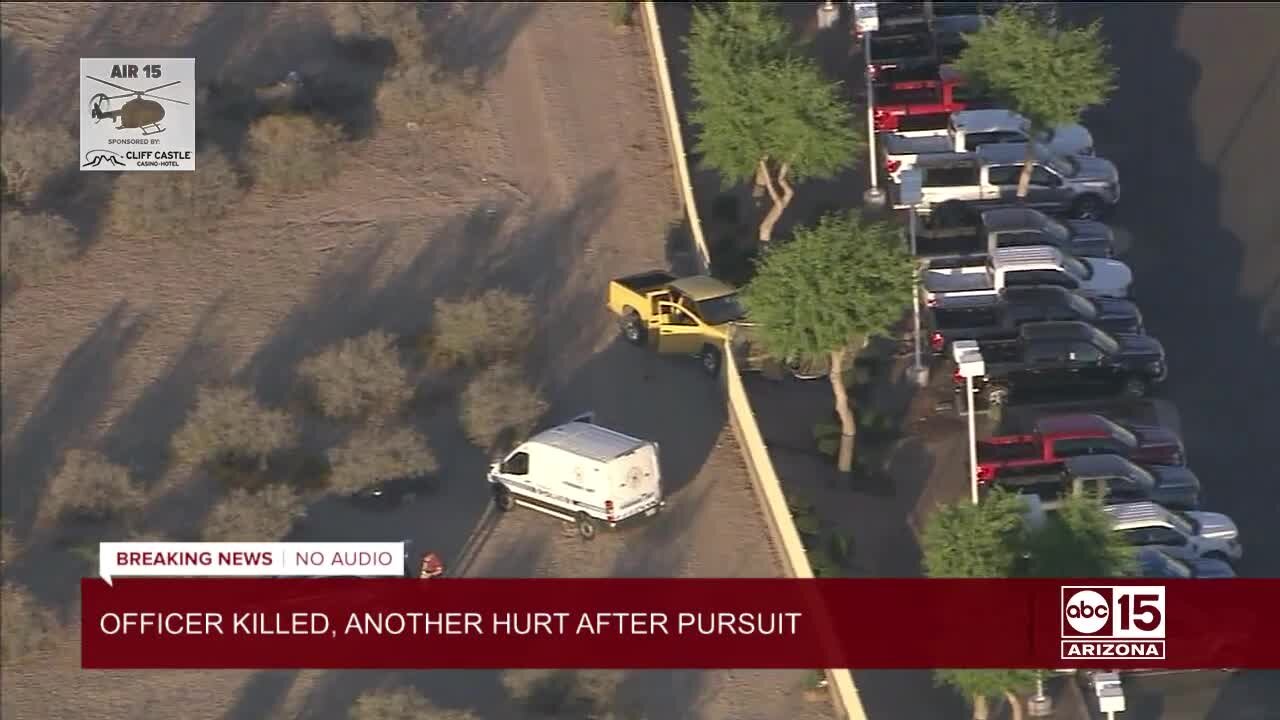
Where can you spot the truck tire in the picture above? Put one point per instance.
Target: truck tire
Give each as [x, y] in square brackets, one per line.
[1088, 207]
[996, 396]
[633, 328]
[503, 499]
[710, 358]
[1134, 388]
[586, 526]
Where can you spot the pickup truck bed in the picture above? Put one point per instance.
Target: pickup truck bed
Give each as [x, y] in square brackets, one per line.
[644, 282]
[939, 278]
[918, 145]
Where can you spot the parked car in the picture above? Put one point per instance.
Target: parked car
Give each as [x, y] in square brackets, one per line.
[1111, 477]
[581, 473]
[1067, 357]
[989, 274]
[1195, 534]
[999, 316]
[1159, 563]
[1079, 186]
[968, 130]
[1054, 438]
[922, 103]
[1015, 227]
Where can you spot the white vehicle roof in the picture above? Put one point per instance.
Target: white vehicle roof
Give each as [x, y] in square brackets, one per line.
[980, 121]
[1137, 514]
[1028, 255]
[588, 441]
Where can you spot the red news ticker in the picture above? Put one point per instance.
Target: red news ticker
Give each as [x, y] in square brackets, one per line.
[333, 623]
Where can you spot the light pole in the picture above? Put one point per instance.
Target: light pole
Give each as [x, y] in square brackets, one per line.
[911, 192]
[866, 17]
[970, 364]
[1110, 693]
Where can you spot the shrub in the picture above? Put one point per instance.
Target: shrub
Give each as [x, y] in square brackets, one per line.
[91, 486]
[25, 626]
[397, 22]
[372, 455]
[228, 424]
[175, 203]
[357, 377]
[263, 516]
[292, 153]
[34, 246]
[491, 326]
[574, 693]
[418, 93]
[402, 704]
[499, 405]
[31, 155]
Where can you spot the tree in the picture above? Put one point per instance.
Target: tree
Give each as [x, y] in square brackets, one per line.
[841, 279]
[372, 455]
[1047, 74]
[499, 405]
[264, 516]
[229, 425]
[980, 685]
[91, 486]
[1077, 541]
[763, 110]
[358, 377]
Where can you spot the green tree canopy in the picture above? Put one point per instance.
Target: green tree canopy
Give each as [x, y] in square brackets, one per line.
[1048, 74]
[1077, 541]
[987, 540]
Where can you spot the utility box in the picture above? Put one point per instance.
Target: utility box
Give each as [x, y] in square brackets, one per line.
[968, 358]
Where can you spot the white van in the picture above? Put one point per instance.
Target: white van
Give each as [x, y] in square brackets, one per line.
[581, 473]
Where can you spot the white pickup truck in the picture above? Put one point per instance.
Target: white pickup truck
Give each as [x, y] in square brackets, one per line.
[989, 274]
[968, 130]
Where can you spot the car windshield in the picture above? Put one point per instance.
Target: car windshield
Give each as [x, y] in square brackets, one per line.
[1119, 432]
[1082, 307]
[1081, 269]
[1161, 565]
[1103, 341]
[724, 309]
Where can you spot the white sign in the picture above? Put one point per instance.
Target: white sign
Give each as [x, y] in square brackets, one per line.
[271, 559]
[866, 17]
[137, 114]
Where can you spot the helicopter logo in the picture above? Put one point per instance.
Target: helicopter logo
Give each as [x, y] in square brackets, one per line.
[139, 113]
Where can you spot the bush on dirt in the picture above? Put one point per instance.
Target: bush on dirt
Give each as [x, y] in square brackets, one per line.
[358, 377]
[31, 155]
[402, 704]
[574, 693]
[499, 406]
[34, 246]
[92, 487]
[25, 626]
[419, 93]
[492, 326]
[228, 425]
[175, 203]
[263, 516]
[372, 455]
[292, 153]
[397, 22]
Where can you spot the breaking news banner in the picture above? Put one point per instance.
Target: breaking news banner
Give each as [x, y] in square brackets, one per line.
[405, 622]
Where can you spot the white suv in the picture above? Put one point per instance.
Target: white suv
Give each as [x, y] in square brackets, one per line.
[1187, 534]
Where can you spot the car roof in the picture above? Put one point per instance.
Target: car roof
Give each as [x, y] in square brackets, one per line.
[1097, 465]
[1071, 422]
[1007, 153]
[1013, 218]
[1028, 254]
[589, 441]
[1136, 514]
[702, 287]
[977, 121]
[1057, 330]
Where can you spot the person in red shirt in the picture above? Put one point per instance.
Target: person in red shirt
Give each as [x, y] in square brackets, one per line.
[431, 567]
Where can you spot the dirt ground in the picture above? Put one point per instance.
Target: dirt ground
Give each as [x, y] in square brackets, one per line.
[556, 180]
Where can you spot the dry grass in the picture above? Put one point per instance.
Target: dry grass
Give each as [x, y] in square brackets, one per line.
[566, 693]
[175, 203]
[292, 153]
[34, 247]
[31, 155]
[373, 455]
[419, 94]
[496, 325]
[262, 516]
[402, 704]
[358, 377]
[25, 626]
[228, 424]
[500, 405]
[90, 486]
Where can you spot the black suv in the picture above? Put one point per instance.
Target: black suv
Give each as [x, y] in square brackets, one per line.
[1074, 357]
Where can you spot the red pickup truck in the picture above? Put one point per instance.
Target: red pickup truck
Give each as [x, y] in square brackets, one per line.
[1056, 437]
[922, 104]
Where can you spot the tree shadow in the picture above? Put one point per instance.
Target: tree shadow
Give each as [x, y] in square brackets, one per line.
[15, 72]
[468, 42]
[77, 395]
[262, 695]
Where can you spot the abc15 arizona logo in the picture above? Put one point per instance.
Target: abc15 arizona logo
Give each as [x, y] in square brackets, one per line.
[1113, 622]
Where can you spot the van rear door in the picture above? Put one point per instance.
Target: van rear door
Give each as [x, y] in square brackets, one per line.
[636, 482]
